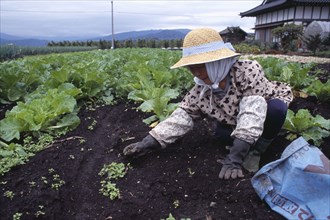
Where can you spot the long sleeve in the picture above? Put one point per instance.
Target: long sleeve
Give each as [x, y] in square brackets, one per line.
[172, 128]
[250, 119]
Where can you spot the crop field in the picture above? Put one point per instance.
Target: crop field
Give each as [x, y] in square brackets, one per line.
[65, 119]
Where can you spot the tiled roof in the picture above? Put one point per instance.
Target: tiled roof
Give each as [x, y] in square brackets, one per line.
[270, 5]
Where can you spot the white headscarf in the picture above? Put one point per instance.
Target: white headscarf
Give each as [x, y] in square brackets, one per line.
[216, 71]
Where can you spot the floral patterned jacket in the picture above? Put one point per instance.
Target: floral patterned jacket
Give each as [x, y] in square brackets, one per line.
[243, 105]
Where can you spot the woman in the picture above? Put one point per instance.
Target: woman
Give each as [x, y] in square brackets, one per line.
[249, 109]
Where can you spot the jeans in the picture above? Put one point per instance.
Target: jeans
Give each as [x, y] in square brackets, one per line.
[275, 117]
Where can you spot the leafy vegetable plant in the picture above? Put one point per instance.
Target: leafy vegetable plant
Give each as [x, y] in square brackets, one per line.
[295, 74]
[320, 90]
[111, 172]
[155, 100]
[53, 110]
[304, 124]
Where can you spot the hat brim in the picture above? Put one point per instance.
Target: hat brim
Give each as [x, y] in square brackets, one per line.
[205, 57]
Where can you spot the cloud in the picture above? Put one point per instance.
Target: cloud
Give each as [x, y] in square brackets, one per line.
[93, 18]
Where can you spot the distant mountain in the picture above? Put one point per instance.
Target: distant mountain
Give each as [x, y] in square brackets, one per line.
[167, 35]
[25, 42]
[161, 34]
[149, 34]
[21, 41]
[10, 37]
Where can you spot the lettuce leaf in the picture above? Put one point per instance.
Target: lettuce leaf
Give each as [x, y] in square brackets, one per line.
[40, 114]
[304, 124]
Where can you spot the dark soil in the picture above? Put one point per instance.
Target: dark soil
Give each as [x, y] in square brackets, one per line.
[181, 180]
[323, 74]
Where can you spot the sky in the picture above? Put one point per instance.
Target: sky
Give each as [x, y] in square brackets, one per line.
[93, 18]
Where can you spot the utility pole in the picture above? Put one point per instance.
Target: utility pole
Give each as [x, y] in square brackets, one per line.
[113, 35]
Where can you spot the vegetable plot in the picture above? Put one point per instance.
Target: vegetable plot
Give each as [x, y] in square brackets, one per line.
[77, 174]
[49, 90]
[79, 77]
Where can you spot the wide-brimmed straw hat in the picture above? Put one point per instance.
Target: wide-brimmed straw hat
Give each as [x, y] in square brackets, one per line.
[204, 45]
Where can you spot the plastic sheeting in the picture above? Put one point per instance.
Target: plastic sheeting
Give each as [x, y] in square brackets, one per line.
[318, 27]
[296, 186]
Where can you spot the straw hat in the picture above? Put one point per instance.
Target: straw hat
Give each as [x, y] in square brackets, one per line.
[204, 45]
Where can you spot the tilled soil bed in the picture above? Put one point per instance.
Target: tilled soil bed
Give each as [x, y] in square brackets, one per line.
[181, 179]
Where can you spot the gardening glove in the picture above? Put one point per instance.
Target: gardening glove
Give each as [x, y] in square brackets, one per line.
[141, 148]
[232, 163]
[252, 160]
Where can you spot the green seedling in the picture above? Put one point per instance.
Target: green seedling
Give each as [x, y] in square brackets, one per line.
[57, 182]
[51, 170]
[44, 180]
[40, 212]
[92, 125]
[109, 189]
[9, 194]
[176, 204]
[191, 173]
[32, 184]
[17, 216]
[112, 172]
[82, 140]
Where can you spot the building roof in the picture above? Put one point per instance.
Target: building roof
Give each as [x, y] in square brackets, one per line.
[271, 5]
[230, 29]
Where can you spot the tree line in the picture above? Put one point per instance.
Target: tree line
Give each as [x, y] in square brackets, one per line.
[105, 44]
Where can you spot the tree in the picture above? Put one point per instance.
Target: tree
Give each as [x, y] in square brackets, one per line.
[288, 34]
[313, 43]
[104, 44]
[326, 41]
[151, 43]
[179, 43]
[141, 43]
[51, 44]
[128, 43]
[166, 43]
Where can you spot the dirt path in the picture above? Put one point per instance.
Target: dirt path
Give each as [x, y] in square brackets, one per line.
[294, 58]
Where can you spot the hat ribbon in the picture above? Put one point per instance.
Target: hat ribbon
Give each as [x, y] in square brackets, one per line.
[209, 47]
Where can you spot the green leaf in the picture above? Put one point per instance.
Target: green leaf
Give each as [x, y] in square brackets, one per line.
[150, 119]
[69, 89]
[287, 74]
[319, 90]
[62, 103]
[92, 88]
[61, 75]
[322, 122]
[311, 128]
[147, 106]
[17, 91]
[69, 120]
[10, 128]
[303, 120]
[6, 153]
[107, 98]
[316, 134]
[170, 217]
